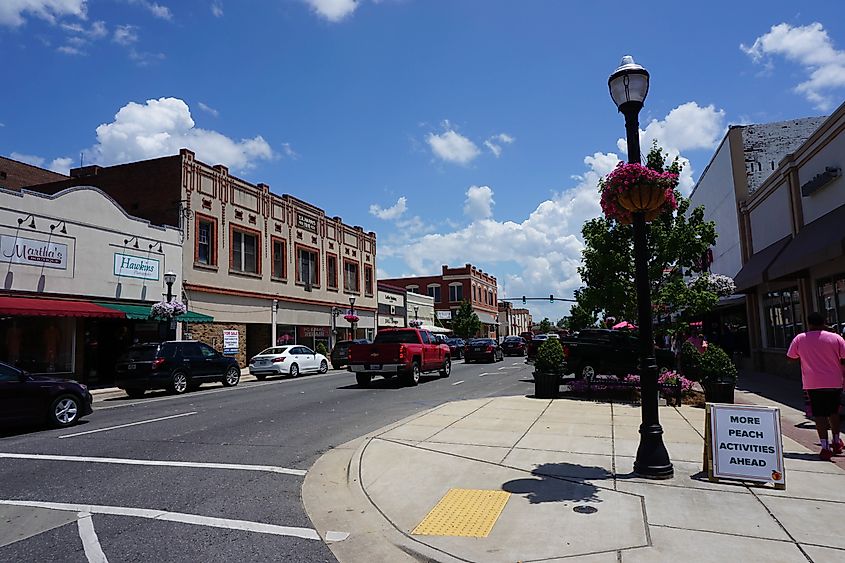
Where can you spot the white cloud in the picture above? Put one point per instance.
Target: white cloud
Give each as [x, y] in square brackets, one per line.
[288, 151]
[479, 202]
[390, 213]
[70, 50]
[125, 34]
[28, 158]
[494, 143]
[451, 146]
[217, 9]
[159, 11]
[162, 127]
[144, 58]
[810, 47]
[333, 10]
[80, 37]
[208, 109]
[13, 12]
[60, 165]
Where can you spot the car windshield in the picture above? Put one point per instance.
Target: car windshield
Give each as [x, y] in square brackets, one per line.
[513, 339]
[481, 341]
[274, 350]
[343, 345]
[397, 337]
[141, 352]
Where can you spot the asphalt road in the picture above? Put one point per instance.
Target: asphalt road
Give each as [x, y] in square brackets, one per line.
[164, 510]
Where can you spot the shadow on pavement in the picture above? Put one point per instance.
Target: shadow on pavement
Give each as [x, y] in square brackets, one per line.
[392, 383]
[18, 430]
[559, 482]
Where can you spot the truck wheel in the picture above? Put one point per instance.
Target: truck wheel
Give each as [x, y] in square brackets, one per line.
[586, 371]
[446, 370]
[412, 377]
[363, 379]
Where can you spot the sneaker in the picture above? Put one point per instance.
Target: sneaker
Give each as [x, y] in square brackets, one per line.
[837, 447]
[825, 454]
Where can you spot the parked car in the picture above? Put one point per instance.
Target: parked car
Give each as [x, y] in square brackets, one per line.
[340, 352]
[287, 360]
[403, 352]
[176, 365]
[26, 398]
[483, 349]
[456, 347]
[604, 351]
[514, 346]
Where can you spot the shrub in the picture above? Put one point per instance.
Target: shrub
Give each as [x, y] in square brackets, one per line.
[321, 349]
[691, 360]
[549, 356]
[716, 365]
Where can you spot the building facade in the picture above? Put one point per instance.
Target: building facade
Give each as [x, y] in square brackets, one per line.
[793, 245]
[392, 309]
[15, 175]
[420, 308]
[80, 276]
[454, 286]
[270, 269]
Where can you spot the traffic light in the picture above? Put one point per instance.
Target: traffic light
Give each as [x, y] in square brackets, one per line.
[551, 298]
[523, 300]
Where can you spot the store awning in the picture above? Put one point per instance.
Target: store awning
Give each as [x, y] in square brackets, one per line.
[486, 318]
[435, 329]
[142, 312]
[755, 271]
[38, 307]
[815, 243]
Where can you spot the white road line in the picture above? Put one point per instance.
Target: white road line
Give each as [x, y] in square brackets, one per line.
[90, 542]
[500, 369]
[483, 374]
[457, 383]
[157, 463]
[246, 525]
[126, 425]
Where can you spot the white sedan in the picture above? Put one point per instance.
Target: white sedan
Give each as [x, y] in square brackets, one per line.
[287, 360]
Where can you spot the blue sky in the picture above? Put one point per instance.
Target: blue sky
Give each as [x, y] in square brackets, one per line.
[459, 131]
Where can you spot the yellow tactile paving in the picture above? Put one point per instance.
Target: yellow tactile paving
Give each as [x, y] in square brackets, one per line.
[468, 513]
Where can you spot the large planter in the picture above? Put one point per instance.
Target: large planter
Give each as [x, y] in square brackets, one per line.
[719, 392]
[546, 385]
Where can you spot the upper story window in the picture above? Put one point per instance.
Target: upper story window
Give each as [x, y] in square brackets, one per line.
[474, 293]
[307, 266]
[456, 293]
[412, 288]
[434, 291]
[351, 279]
[245, 252]
[331, 271]
[206, 248]
[279, 259]
[368, 280]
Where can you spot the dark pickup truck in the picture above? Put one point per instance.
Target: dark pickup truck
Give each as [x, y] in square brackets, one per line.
[607, 352]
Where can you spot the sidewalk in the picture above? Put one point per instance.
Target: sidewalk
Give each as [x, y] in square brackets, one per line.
[563, 470]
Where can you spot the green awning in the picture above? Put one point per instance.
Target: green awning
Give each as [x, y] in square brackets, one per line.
[142, 312]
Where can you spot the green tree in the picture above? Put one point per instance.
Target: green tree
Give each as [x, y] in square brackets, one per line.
[677, 242]
[563, 323]
[321, 349]
[466, 323]
[580, 317]
[545, 325]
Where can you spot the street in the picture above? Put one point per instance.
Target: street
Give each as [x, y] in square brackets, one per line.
[213, 475]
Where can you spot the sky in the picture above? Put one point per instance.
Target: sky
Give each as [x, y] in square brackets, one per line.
[458, 130]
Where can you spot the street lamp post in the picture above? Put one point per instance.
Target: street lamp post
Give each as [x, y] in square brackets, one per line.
[169, 280]
[629, 87]
[416, 312]
[352, 312]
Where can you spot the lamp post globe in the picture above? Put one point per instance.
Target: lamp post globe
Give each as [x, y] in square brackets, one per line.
[170, 279]
[628, 86]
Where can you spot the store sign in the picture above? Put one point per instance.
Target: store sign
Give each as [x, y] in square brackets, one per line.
[231, 341]
[313, 332]
[306, 222]
[20, 250]
[744, 443]
[444, 314]
[126, 266]
[391, 321]
[821, 180]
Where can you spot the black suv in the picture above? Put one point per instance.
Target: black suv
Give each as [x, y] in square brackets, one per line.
[27, 398]
[177, 365]
[340, 352]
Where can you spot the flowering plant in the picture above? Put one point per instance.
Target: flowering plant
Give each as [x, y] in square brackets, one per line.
[167, 310]
[634, 187]
[666, 379]
[351, 318]
[415, 323]
[723, 286]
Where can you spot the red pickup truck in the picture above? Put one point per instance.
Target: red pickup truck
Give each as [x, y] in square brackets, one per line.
[403, 352]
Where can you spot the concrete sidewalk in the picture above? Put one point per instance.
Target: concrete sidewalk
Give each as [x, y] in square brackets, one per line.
[567, 466]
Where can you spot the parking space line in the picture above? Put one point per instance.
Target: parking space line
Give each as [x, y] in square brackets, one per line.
[157, 463]
[127, 425]
[457, 383]
[196, 519]
[90, 541]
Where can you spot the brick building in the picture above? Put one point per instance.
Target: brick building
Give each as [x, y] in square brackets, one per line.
[15, 175]
[452, 287]
[273, 268]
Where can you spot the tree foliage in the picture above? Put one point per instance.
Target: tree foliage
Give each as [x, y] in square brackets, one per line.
[466, 323]
[545, 325]
[677, 242]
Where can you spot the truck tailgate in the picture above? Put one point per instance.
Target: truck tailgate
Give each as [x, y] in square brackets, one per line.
[374, 353]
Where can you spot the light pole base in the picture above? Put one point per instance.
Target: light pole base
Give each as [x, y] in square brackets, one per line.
[652, 460]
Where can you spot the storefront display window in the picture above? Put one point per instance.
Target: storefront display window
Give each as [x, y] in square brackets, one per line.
[39, 345]
[783, 317]
[831, 301]
[285, 334]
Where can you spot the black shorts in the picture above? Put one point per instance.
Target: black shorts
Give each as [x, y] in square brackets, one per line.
[825, 402]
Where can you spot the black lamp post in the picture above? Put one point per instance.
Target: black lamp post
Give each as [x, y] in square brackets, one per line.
[352, 313]
[416, 312]
[169, 279]
[629, 88]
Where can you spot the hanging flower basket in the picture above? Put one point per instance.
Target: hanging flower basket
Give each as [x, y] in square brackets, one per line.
[415, 323]
[351, 318]
[632, 188]
[164, 310]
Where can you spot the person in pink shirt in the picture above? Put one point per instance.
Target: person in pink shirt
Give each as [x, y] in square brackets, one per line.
[822, 355]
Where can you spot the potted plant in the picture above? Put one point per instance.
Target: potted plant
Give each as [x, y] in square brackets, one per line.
[548, 367]
[712, 368]
[630, 188]
[166, 310]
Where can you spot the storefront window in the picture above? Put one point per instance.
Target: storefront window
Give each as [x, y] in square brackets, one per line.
[831, 301]
[39, 345]
[285, 334]
[783, 313]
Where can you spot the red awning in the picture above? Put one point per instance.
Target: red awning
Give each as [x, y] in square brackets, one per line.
[38, 307]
